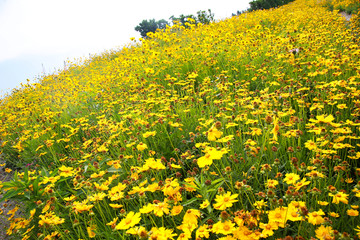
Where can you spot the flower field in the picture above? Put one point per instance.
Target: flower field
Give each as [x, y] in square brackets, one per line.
[247, 128]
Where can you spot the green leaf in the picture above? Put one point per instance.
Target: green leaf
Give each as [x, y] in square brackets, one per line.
[11, 193]
[27, 194]
[112, 169]
[36, 185]
[190, 201]
[26, 175]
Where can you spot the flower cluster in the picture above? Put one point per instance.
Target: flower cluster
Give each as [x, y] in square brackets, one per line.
[247, 128]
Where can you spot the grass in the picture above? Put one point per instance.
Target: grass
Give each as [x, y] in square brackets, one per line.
[246, 128]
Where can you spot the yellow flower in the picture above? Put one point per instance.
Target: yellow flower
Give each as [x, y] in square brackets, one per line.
[90, 231]
[291, 178]
[268, 229]
[315, 217]
[66, 171]
[191, 216]
[50, 219]
[148, 134]
[324, 233]
[334, 214]
[176, 210]
[322, 203]
[213, 133]
[210, 155]
[205, 204]
[352, 212]
[278, 216]
[225, 201]
[141, 146]
[129, 221]
[271, 183]
[339, 197]
[226, 227]
[260, 204]
[161, 208]
[276, 129]
[202, 232]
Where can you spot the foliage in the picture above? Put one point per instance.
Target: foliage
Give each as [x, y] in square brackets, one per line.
[246, 128]
[267, 4]
[201, 17]
[348, 6]
[151, 25]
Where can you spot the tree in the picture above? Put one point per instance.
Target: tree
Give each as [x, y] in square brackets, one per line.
[202, 17]
[150, 26]
[266, 4]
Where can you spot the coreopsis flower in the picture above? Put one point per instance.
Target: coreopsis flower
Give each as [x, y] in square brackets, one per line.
[176, 210]
[202, 232]
[268, 229]
[278, 216]
[301, 184]
[315, 217]
[191, 216]
[271, 183]
[50, 219]
[205, 204]
[90, 231]
[334, 214]
[276, 129]
[352, 212]
[141, 146]
[97, 197]
[80, 207]
[357, 229]
[291, 178]
[129, 221]
[139, 231]
[339, 197]
[225, 201]
[323, 203]
[148, 134]
[213, 133]
[260, 204]
[147, 208]
[225, 227]
[323, 119]
[325, 233]
[293, 211]
[162, 233]
[160, 208]
[66, 171]
[311, 145]
[210, 155]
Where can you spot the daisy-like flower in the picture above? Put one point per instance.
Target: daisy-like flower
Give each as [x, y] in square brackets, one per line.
[278, 216]
[352, 212]
[141, 146]
[129, 221]
[324, 233]
[315, 217]
[291, 178]
[213, 133]
[226, 227]
[211, 154]
[339, 197]
[268, 229]
[225, 201]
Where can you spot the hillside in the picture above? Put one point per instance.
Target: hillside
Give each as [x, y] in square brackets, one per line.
[246, 128]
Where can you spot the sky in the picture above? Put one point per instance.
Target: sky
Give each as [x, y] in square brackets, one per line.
[38, 36]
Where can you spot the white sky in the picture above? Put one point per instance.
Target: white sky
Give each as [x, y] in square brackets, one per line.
[38, 35]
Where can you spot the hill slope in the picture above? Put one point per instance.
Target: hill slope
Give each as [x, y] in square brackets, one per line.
[246, 128]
